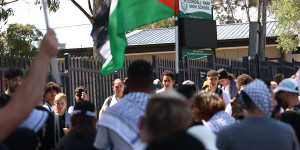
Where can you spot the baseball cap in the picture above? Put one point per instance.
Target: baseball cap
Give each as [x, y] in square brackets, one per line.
[287, 85]
[222, 74]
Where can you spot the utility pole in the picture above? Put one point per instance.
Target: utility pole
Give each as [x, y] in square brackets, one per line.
[262, 41]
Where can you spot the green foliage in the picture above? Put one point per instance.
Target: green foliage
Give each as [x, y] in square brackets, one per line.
[18, 40]
[287, 15]
[53, 4]
[165, 23]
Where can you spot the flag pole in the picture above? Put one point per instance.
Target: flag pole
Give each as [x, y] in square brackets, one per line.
[177, 40]
[54, 68]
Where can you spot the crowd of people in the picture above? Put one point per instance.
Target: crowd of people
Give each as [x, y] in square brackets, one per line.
[225, 113]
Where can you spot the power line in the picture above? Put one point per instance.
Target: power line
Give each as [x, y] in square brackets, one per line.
[70, 26]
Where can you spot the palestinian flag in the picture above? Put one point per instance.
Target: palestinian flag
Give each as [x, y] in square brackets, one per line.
[120, 16]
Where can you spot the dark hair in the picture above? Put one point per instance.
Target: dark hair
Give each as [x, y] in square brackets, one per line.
[247, 102]
[204, 105]
[212, 73]
[140, 68]
[292, 118]
[22, 138]
[52, 86]
[278, 78]
[176, 141]
[188, 90]
[174, 115]
[170, 74]
[82, 124]
[140, 75]
[222, 74]
[12, 73]
[243, 80]
[80, 89]
[237, 108]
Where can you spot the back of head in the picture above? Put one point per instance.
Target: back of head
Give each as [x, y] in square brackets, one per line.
[140, 75]
[12, 73]
[167, 112]
[278, 77]
[22, 138]
[243, 80]
[83, 119]
[259, 94]
[188, 89]
[205, 105]
[176, 141]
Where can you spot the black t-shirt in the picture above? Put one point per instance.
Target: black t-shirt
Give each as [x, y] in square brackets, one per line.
[71, 141]
[292, 117]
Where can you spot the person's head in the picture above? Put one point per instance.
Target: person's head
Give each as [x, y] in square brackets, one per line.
[287, 93]
[188, 89]
[14, 79]
[80, 93]
[83, 120]
[237, 109]
[212, 77]
[278, 78]
[51, 90]
[22, 138]
[204, 105]
[273, 85]
[257, 100]
[223, 77]
[118, 87]
[180, 140]
[60, 104]
[166, 112]
[140, 76]
[168, 79]
[242, 80]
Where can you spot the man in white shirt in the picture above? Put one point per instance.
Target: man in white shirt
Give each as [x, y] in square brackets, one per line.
[118, 89]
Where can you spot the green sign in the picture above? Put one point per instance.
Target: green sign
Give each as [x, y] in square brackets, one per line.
[196, 53]
[196, 8]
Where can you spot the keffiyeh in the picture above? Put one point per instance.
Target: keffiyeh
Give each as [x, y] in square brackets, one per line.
[260, 94]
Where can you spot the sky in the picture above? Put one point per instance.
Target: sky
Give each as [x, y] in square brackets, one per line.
[71, 26]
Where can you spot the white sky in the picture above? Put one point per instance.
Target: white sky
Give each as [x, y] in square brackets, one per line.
[25, 12]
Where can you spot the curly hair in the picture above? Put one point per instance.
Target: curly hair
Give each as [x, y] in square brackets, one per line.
[204, 105]
[52, 86]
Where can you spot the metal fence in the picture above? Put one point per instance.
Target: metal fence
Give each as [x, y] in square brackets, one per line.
[85, 71]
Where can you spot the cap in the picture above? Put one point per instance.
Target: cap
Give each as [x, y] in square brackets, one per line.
[287, 85]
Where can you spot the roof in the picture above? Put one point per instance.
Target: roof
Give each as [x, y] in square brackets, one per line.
[167, 35]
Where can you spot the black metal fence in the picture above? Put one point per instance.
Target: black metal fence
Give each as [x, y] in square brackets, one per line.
[76, 71]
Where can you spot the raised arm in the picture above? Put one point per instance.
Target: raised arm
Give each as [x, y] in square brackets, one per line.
[29, 94]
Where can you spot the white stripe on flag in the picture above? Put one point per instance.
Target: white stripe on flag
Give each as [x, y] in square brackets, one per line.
[105, 50]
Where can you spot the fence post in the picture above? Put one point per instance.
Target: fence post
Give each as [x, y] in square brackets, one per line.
[186, 68]
[211, 62]
[246, 63]
[155, 66]
[68, 79]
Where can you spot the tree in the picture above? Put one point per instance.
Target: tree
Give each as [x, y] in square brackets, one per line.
[19, 40]
[5, 11]
[287, 15]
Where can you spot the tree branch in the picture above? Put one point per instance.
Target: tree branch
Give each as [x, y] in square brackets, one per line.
[90, 6]
[5, 3]
[83, 11]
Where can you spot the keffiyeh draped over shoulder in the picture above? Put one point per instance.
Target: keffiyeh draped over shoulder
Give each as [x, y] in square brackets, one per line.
[123, 117]
[218, 121]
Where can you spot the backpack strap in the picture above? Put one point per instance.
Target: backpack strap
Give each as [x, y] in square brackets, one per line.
[109, 101]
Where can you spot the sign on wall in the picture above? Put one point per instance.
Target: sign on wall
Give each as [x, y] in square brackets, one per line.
[196, 8]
